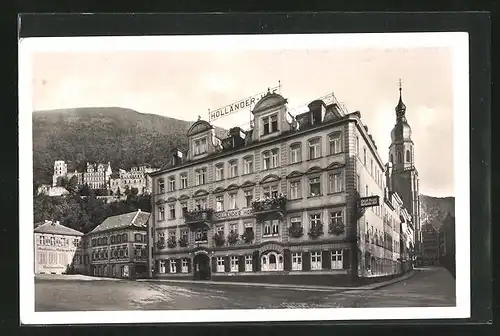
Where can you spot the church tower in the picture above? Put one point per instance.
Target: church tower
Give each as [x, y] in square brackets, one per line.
[404, 176]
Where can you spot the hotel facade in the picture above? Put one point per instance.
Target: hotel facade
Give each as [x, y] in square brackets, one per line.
[293, 199]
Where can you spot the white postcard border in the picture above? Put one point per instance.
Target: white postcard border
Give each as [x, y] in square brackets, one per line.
[457, 41]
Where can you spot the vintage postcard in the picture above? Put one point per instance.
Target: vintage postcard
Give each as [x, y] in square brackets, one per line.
[244, 178]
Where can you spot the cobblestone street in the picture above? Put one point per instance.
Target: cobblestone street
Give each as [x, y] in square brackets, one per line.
[429, 287]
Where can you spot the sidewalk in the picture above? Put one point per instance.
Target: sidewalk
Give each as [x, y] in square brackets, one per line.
[284, 286]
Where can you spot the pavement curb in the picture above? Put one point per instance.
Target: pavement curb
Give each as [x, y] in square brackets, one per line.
[284, 286]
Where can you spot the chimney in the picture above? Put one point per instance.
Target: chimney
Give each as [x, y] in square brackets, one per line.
[237, 137]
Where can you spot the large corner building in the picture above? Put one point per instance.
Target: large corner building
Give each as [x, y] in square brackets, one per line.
[283, 201]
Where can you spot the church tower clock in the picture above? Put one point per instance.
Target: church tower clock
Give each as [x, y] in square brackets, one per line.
[404, 178]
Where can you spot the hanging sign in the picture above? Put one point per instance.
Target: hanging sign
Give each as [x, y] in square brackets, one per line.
[371, 201]
[239, 105]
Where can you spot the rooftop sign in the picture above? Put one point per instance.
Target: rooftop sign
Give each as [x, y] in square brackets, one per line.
[241, 104]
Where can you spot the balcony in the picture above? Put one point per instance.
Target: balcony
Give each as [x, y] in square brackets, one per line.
[270, 208]
[198, 218]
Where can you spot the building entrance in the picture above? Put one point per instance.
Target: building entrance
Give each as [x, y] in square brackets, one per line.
[201, 267]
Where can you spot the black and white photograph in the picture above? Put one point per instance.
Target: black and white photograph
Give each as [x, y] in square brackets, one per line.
[244, 178]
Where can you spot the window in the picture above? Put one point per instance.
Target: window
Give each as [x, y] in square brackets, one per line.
[173, 266]
[314, 149]
[295, 189]
[184, 208]
[357, 145]
[335, 143]
[171, 183]
[408, 155]
[297, 261]
[366, 190]
[314, 186]
[220, 264]
[200, 235]
[184, 234]
[335, 183]
[171, 211]
[248, 227]
[232, 201]
[364, 156]
[371, 167]
[316, 261]
[233, 228]
[200, 146]
[337, 259]
[399, 157]
[234, 263]
[295, 153]
[219, 172]
[171, 235]
[358, 183]
[247, 165]
[274, 158]
[315, 220]
[248, 198]
[219, 229]
[272, 262]
[270, 191]
[270, 124]
[200, 203]
[40, 240]
[295, 222]
[271, 227]
[219, 203]
[266, 160]
[233, 168]
[336, 217]
[184, 268]
[391, 158]
[200, 176]
[161, 186]
[248, 263]
[184, 181]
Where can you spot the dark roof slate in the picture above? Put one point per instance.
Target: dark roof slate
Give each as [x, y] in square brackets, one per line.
[136, 219]
[55, 228]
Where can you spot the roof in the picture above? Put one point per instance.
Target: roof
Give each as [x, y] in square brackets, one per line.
[50, 227]
[132, 219]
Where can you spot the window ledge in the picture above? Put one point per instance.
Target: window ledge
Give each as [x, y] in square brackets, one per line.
[296, 199]
[316, 158]
[315, 196]
[334, 154]
[335, 193]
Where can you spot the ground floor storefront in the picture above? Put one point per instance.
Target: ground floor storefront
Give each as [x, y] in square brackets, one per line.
[130, 270]
[321, 264]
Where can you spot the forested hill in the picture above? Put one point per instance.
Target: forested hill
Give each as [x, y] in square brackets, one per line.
[435, 209]
[121, 136]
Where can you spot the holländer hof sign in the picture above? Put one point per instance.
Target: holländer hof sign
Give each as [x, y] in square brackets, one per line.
[239, 105]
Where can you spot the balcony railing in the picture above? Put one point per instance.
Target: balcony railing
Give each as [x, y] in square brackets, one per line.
[198, 216]
[270, 205]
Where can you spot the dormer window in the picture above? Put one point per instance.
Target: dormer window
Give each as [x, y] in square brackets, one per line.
[200, 146]
[270, 124]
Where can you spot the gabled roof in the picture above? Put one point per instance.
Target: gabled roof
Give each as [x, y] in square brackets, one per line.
[50, 227]
[132, 219]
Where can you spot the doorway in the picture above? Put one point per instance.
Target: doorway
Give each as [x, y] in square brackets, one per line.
[201, 264]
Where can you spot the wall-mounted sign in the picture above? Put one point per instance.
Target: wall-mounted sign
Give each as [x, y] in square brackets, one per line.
[370, 201]
[239, 105]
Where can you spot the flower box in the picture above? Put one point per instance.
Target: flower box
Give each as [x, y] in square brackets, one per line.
[316, 231]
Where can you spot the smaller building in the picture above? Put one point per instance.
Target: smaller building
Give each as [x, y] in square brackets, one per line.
[118, 246]
[430, 244]
[52, 191]
[58, 249]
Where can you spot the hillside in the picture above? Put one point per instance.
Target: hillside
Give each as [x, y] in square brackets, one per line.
[121, 136]
[435, 209]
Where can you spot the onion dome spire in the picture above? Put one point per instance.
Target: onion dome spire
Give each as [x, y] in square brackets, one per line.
[401, 107]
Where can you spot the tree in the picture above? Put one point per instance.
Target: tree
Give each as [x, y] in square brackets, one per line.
[127, 190]
[85, 190]
[72, 185]
[134, 191]
[118, 192]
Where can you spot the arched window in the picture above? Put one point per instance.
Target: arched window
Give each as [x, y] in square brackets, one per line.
[407, 155]
[272, 261]
[399, 157]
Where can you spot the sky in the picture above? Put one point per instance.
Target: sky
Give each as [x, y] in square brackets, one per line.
[186, 84]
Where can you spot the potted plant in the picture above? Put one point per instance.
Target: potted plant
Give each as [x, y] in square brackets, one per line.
[316, 230]
[336, 227]
[171, 243]
[247, 236]
[219, 239]
[232, 238]
[183, 241]
[296, 231]
[160, 244]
